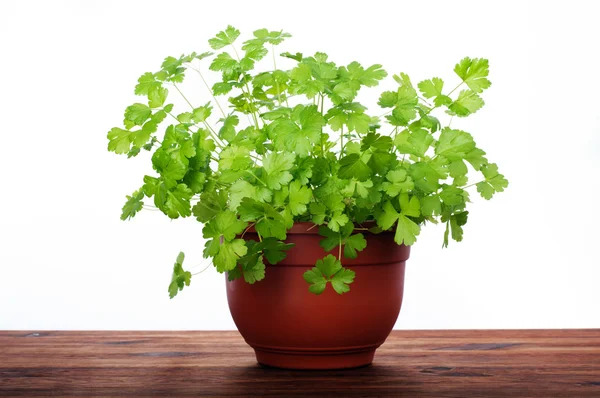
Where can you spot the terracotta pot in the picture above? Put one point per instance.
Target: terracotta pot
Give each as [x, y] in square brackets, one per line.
[289, 327]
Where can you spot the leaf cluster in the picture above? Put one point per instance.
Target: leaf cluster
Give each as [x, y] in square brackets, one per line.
[275, 146]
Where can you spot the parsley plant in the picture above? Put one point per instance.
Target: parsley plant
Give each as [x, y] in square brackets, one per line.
[283, 146]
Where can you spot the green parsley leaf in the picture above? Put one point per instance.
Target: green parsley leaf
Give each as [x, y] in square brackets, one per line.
[353, 244]
[431, 88]
[224, 38]
[410, 207]
[235, 158]
[224, 63]
[406, 231]
[146, 83]
[157, 97]
[329, 269]
[202, 113]
[243, 189]
[227, 131]
[467, 103]
[337, 220]
[274, 250]
[277, 166]
[455, 224]
[414, 142]
[431, 206]
[138, 113]
[300, 196]
[397, 181]
[353, 166]
[180, 278]
[295, 57]
[494, 181]
[341, 280]
[229, 254]
[454, 144]
[133, 205]
[474, 73]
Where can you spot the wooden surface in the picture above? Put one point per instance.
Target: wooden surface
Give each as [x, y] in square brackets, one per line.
[545, 363]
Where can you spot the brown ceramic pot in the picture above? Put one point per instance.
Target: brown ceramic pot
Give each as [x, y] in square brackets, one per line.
[289, 327]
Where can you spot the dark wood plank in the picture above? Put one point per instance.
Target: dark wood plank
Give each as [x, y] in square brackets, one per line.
[459, 363]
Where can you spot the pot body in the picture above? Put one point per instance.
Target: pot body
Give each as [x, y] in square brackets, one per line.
[289, 327]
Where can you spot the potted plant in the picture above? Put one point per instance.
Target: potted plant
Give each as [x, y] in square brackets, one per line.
[309, 201]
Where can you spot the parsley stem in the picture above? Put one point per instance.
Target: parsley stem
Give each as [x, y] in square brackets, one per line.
[210, 91]
[454, 89]
[204, 269]
[247, 93]
[384, 114]
[470, 185]
[322, 102]
[340, 249]
[247, 229]
[216, 138]
[274, 69]
[184, 97]
[424, 100]
[258, 179]
[341, 141]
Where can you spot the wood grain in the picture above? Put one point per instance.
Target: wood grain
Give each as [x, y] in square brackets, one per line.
[500, 363]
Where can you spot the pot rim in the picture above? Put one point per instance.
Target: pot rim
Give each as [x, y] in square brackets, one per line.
[310, 228]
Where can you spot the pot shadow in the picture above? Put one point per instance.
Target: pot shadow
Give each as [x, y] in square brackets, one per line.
[370, 380]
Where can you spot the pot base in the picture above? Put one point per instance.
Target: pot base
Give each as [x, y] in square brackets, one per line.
[315, 360]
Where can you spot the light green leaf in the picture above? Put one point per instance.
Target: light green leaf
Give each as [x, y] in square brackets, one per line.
[224, 38]
[467, 103]
[397, 181]
[474, 73]
[133, 205]
[180, 278]
[229, 254]
[431, 88]
[342, 279]
[277, 166]
[352, 166]
[353, 244]
[387, 217]
[138, 113]
[454, 144]
[406, 231]
[299, 197]
[157, 97]
[409, 207]
[337, 220]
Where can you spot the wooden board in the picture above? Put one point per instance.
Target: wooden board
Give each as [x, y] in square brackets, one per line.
[458, 363]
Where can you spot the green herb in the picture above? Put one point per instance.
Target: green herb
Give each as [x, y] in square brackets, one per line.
[277, 146]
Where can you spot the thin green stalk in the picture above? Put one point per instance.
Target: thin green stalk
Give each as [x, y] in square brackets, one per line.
[205, 268]
[470, 185]
[454, 89]
[322, 103]
[184, 97]
[258, 179]
[247, 92]
[210, 91]
[274, 69]
[211, 131]
[341, 141]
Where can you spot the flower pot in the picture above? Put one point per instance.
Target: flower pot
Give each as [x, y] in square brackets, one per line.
[289, 327]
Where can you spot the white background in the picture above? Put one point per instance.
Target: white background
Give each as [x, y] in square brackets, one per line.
[530, 256]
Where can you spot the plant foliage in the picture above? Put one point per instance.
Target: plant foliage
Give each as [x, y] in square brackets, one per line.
[279, 146]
